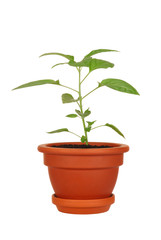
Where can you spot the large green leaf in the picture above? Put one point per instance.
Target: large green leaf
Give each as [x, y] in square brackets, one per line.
[72, 115]
[115, 129]
[92, 64]
[39, 82]
[118, 85]
[59, 130]
[83, 63]
[69, 57]
[98, 63]
[67, 98]
[98, 51]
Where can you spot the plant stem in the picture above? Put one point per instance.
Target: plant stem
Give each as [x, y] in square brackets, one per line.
[90, 92]
[81, 107]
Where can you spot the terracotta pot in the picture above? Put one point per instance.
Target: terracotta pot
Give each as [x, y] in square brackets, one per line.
[83, 179]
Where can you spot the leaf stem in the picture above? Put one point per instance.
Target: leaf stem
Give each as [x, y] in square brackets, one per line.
[90, 92]
[81, 107]
[97, 127]
[68, 88]
[74, 134]
[78, 104]
[85, 77]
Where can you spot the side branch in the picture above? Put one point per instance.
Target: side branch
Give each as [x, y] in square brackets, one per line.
[97, 127]
[75, 134]
[68, 88]
[90, 92]
[85, 77]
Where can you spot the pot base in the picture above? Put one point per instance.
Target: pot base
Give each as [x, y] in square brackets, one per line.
[76, 206]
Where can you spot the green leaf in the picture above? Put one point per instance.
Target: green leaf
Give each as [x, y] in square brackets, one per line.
[118, 85]
[98, 63]
[88, 129]
[91, 123]
[78, 112]
[85, 114]
[69, 57]
[98, 51]
[115, 129]
[59, 64]
[83, 63]
[67, 98]
[83, 139]
[92, 64]
[59, 130]
[72, 115]
[39, 82]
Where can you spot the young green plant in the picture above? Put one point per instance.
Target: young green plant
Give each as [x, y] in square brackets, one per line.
[91, 64]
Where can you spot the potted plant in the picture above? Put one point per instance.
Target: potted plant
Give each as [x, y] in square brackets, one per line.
[83, 174]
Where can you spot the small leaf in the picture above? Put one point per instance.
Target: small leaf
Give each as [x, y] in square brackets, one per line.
[119, 85]
[98, 63]
[59, 64]
[83, 139]
[78, 112]
[59, 130]
[115, 129]
[88, 129]
[98, 51]
[91, 123]
[72, 115]
[67, 98]
[69, 57]
[39, 82]
[86, 113]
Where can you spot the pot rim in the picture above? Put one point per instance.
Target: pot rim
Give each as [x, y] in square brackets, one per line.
[117, 148]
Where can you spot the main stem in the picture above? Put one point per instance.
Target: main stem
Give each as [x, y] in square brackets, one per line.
[81, 106]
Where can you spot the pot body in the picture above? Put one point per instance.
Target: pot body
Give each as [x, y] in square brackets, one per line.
[83, 184]
[83, 174]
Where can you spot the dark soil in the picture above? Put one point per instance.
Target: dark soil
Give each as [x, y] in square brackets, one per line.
[80, 146]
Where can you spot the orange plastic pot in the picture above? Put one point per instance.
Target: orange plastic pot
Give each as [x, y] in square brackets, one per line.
[83, 179]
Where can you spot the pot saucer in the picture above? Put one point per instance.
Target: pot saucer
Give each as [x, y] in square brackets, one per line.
[89, 206]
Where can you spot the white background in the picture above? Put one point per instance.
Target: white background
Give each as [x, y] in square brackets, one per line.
[30, 28]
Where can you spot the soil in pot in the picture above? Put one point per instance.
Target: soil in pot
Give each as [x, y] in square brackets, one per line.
[80, 146]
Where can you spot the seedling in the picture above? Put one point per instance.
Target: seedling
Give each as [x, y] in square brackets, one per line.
[92, 64]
